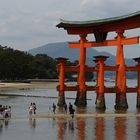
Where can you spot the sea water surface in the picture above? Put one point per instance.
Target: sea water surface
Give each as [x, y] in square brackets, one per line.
[20, 127]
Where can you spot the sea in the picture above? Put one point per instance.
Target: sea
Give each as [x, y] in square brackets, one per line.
[21, 127]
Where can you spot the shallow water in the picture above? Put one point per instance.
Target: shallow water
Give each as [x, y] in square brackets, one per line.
[20, 127]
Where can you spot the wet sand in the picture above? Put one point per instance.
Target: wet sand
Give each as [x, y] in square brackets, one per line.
[32, 85]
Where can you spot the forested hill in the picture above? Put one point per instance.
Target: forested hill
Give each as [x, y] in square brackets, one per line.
[18, 65]
[15, 65]
[61, 49]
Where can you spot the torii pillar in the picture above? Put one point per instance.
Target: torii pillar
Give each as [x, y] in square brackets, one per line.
[121, 100]
[100, 99]
[61, 87]
[138, 81]
[81, 93]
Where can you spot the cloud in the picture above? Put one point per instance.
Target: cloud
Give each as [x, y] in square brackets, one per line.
[30, 23]
[108, 8]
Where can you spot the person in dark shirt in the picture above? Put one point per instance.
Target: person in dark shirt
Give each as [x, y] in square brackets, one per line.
[65, 107]
[70, 107]
[71, 110]
[54, 108]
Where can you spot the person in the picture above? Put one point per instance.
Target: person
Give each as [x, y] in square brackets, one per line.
[31, 109]
[7, 112]
[1, 109]
[54, 108]
[72, 112]
[34, 108]
[65, 107]
[70, 107]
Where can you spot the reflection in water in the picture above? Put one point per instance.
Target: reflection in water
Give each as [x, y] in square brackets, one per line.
[81, 129]
[66, 129]
[1, 126]
[32, 122]
[71, 125]
[4, 122]
[120, 128]
[138, 129]
[99, 129]
[81, 124]
[62, 126]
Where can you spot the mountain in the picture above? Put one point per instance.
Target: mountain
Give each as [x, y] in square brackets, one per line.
[61, 49]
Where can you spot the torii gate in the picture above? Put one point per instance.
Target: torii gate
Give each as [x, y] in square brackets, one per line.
[100, 29]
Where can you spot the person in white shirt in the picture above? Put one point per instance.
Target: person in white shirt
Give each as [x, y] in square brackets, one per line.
[31, 109]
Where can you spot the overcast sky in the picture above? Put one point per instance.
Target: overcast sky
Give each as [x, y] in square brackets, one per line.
[26, 24]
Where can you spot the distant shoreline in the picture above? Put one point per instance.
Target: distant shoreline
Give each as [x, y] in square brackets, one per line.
[31, 85]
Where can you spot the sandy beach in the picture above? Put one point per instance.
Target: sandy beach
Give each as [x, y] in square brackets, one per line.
[32, 85]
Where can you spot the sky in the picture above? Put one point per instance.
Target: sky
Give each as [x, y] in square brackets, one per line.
[27, 24]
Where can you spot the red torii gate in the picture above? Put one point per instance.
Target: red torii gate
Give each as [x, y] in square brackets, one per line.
[100, 29]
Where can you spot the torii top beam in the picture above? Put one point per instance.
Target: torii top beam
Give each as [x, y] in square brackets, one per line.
[101, 27]
[125, 22]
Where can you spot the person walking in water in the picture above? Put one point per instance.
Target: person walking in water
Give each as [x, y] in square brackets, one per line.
[71, 110]
[34, 108]
[31, 109]
[65, 107]
[70, 107]
[54, 108]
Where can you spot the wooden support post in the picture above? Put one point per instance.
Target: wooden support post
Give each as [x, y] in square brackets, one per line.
[121, 100]
[138, 81]
[81, 93]
[61, 98]
[100, 100]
